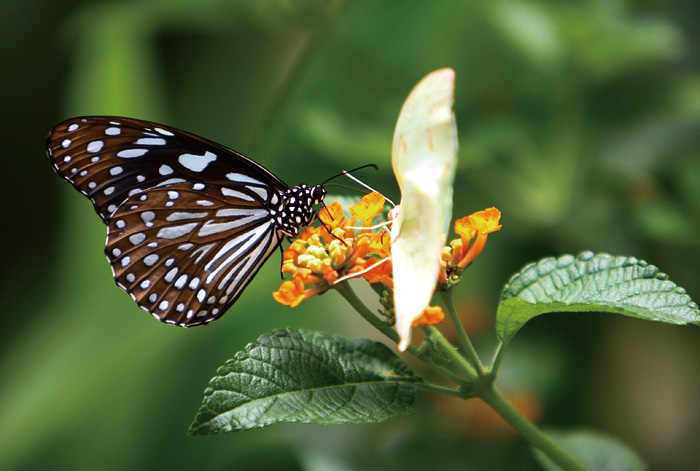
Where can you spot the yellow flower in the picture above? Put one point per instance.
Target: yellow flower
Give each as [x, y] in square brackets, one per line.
[369, 208]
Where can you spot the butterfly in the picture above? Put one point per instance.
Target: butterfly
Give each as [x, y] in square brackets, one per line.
[189, 222]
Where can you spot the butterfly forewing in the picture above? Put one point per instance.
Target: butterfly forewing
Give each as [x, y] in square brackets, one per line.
[186, 252]
[109, 159]
[190, 222]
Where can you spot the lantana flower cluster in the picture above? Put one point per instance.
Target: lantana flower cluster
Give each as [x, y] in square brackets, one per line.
[342, 248]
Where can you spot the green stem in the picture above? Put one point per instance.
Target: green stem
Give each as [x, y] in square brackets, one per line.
[497, 359]
[464, 340]
[347, 292]
[440, 389]
[452, 354]
[491, 396]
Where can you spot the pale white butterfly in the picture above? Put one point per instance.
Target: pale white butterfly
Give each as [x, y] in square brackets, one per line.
[424, 157]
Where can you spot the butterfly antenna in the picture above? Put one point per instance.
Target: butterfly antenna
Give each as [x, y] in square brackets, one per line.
[347, 172]
[364, 185]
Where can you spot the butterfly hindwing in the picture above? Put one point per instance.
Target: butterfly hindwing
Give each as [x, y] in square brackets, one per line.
[187, 266]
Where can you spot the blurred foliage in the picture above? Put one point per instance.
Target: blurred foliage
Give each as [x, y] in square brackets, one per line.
[580, 120]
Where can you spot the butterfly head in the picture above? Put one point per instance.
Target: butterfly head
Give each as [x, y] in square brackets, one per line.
[296, 210]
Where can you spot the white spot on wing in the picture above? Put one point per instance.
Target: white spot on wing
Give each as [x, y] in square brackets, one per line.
[175, 232]
[183, 215]
[73, 127]
[171, 181]
[131, 153]
[194, 282]
[261, 192]
[239, 177]
[148, 216]
[197, 163]
[170, 276]
[150, 260]
[138, 238]
[95, 146]
[113, 131]
[163, 132]
[114, 171]
[180, 283]
[236, 194]
[151, 141]
[165, 170]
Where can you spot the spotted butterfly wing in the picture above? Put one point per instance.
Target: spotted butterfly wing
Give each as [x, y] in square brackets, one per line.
[190, 222]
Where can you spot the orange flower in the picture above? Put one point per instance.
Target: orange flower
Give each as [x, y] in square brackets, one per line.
[320, 259]
[332, 216]
[291, 293]
[431, 316]
[460, 253]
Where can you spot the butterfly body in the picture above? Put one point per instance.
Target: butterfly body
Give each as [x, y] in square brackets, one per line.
[190, 222]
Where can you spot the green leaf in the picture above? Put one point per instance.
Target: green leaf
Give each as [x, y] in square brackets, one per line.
[592, 283]
[596, 451]
[308, 377]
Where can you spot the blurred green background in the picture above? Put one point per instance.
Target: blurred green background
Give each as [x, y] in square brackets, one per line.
[579, 120]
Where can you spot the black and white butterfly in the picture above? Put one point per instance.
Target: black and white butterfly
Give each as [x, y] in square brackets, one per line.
[190, 222]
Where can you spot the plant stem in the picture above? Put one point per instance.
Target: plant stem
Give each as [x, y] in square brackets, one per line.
[466, 343]
[497, 359]
[453, 354]
[491, 396]
[347, 292]
[440, 389]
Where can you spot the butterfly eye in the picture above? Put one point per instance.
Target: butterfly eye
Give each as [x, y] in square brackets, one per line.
[190, 222]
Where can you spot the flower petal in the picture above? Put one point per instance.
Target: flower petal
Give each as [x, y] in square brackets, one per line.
[424, 157]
